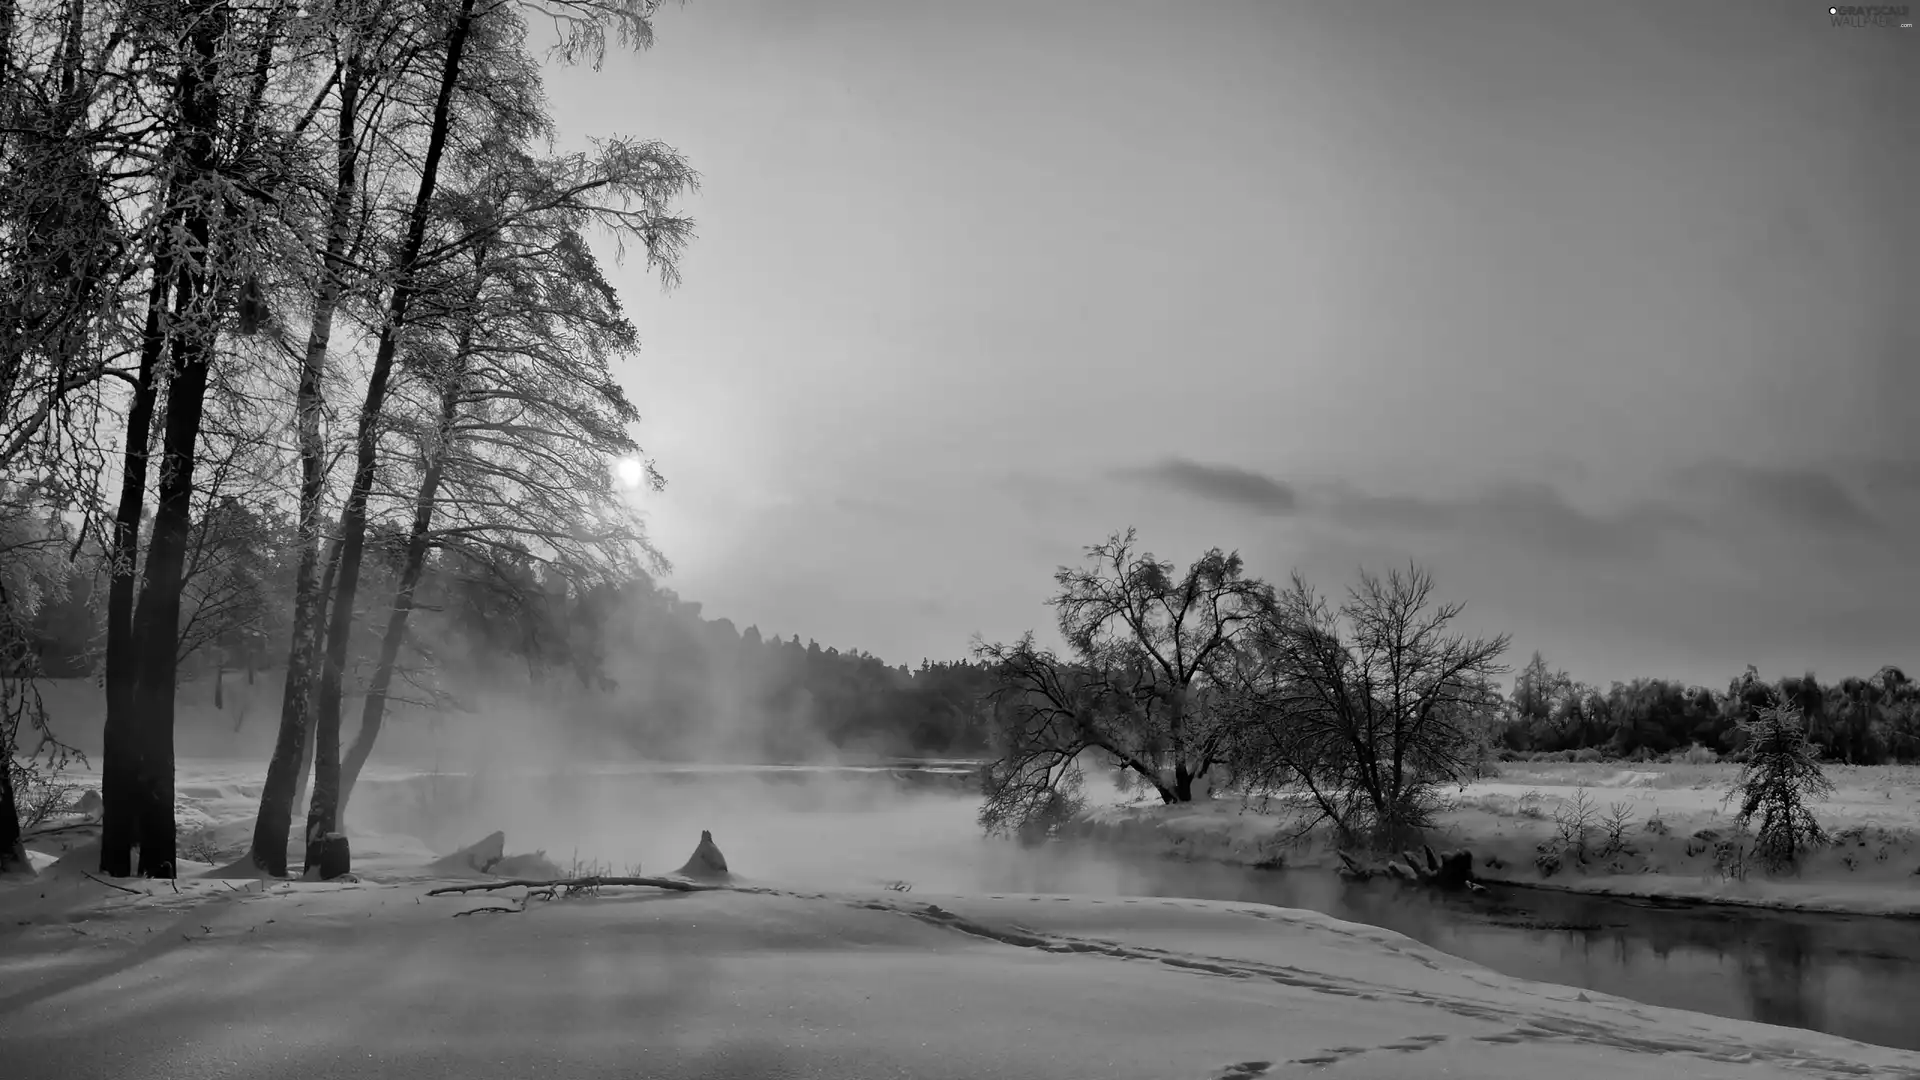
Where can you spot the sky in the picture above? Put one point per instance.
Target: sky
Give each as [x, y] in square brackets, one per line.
[1605, 313]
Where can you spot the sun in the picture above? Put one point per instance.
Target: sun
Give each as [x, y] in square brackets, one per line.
[630, 472]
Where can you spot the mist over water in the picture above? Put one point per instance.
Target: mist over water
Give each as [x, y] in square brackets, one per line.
[806, 826]
[865, 826]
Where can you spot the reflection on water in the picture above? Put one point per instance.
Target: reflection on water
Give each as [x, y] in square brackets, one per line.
[1851, 976]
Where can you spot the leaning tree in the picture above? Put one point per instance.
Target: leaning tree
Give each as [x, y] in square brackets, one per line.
[521, 419]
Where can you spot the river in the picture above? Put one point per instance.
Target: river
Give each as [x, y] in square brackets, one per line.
[828, 827]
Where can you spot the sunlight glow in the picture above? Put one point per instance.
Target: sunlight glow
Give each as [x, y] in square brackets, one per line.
[630, 472]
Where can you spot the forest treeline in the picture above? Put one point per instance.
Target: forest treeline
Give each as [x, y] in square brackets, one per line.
[1869, 719]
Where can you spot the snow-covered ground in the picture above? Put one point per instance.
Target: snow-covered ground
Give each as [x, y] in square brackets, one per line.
[226, 979]
[1677, 819]
[206, 977]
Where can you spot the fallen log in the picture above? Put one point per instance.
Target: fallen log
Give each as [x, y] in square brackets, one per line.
[591, 882]
[1451, 872]
[707, 863]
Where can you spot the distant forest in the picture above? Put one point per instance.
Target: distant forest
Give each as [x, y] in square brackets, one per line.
[1856, 720]
[651, 669]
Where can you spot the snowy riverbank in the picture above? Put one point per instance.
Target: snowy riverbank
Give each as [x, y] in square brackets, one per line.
[257, 979]
[1678, 843]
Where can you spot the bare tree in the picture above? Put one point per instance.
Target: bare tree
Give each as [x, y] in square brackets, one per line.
[228, 147]
[137, 785]
[1148, 685]
[1045, 713]
[1370, 708]
[493, 35]
[370, 54]
[525, 417]
[80, 158]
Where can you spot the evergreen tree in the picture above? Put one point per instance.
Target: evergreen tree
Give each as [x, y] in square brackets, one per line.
[1781, 774]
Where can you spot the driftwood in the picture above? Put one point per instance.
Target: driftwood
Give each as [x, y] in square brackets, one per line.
[1450, 873]
[591, 882]
[39, 831]
[122, 888]
[547, 889]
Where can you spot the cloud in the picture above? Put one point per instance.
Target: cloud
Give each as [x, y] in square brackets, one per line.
[1227, 484]
[1537, 514]
[1807, 497]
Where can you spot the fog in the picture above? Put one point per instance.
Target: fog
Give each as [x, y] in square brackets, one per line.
[814, 826]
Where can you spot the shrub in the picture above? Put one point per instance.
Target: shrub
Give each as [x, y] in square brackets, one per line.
[1586, 755]
[201, 846]
[1575, 820]
[1618, 818]
[1732, 855]
[1699, 755]
[41, 793]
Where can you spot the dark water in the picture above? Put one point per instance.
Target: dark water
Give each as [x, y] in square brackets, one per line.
[1857, 977]
[1853, 976]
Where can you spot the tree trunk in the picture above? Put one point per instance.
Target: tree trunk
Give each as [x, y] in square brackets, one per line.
[156, 617]
[1177, 743]
[374, 710]
[305, 778]
[120, 758]
[13, 852]
[120, 744]
[323, 814]
[293, 747]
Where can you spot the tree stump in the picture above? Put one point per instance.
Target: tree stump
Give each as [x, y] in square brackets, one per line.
[329, 857]
[707, 863]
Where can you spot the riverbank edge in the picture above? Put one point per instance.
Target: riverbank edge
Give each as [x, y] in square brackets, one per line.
[1199, 837]
[1863, 906]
